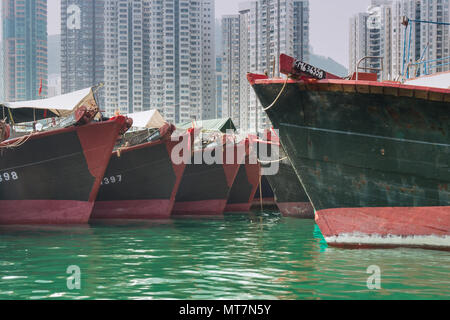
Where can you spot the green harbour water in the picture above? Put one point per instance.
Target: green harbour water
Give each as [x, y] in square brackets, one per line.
[251, 256]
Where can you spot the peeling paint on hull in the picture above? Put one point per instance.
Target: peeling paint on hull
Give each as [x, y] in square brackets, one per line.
[386, 147]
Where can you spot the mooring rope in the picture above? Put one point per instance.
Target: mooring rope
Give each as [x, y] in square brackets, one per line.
[120, 149]
[279, 94]
[11, 117]
[20, 141]
[260, 192]
[271, 161]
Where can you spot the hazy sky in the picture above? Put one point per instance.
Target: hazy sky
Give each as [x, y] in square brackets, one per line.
[329, 28]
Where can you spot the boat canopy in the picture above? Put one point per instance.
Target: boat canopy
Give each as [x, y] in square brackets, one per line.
[438, 80]
[58, 105]
[222, 125]
[151, 119]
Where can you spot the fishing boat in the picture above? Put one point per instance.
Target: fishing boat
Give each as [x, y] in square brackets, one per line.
[141, 180]
[52, 174]
[245, 184]
[290, 196]
[372, 156]
[264, 195]
[205, 187]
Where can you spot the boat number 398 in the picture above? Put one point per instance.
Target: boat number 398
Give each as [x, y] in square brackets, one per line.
[8, 176]
[112, 180]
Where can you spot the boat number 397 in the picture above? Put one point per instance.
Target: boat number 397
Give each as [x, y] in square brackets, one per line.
[8, 176]
[112, 180]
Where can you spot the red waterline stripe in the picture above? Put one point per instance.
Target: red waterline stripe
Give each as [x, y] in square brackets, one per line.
[45, 211]
[133, 209]
[384, 221]
[203, 207]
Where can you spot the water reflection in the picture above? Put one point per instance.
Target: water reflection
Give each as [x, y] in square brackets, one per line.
[256, 256]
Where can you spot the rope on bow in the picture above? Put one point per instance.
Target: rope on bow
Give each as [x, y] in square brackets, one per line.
[279, 94]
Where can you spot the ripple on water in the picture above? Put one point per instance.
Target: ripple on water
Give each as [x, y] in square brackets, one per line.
[238, 257]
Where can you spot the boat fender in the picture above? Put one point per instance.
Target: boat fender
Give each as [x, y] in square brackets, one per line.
[82, 115]
[4, 131]
[85, 114]
[191, 132]
[166, 130]
[127, 124]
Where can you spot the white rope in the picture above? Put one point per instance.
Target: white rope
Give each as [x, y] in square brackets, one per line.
[19, 142]
[273, 161]
[279, 95]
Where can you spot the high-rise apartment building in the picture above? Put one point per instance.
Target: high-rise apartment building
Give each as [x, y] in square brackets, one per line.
[371, 36]
[219, 77]
[408, 51]
[54, 85]
[2, 76]
[434, 38]
[252, 42]
[126, 40]
[245, 90]
[301, 30]
[231, 68]
[208, 65]
[2, 87]
[358, 40]
[82, 44]
[24, 49]
[400, 48]
[160, 55]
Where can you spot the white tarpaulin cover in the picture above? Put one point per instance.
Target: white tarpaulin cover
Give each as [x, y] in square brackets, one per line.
[438, 80]
[151, 119]
[60, 105]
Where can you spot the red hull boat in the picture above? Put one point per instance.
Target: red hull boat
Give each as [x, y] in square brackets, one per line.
[244, 188]
[53, 177]
[141, 182]
[268, 197]
[290, 196]
[372, 156]
[205, 188]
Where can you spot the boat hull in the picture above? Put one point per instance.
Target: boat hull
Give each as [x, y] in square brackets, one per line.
[290, 196]
[365, 148]
[386, 227]
[244, 188]
[140, 183]
[54, 176]
[268, 198]
[302, 210]
[205, 188]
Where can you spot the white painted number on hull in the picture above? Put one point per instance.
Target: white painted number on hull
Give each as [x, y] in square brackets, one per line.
[8, 177]
[112, 180]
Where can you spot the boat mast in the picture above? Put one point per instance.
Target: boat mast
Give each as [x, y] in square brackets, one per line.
[406, 56]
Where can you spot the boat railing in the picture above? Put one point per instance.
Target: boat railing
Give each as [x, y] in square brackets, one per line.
[406, 62]
[426, 66]
[358, 67]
